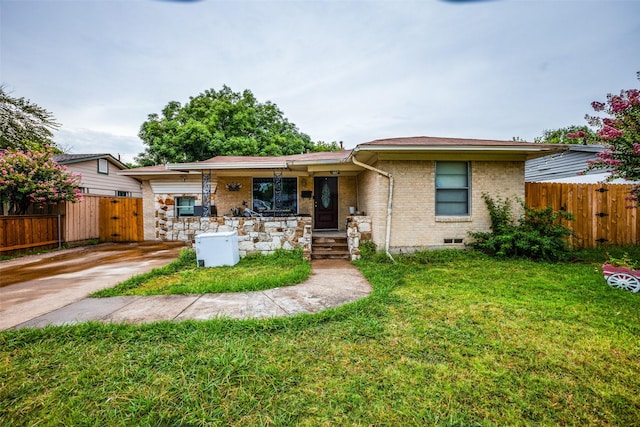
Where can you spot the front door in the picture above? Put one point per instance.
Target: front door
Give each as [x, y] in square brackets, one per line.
[325, 196]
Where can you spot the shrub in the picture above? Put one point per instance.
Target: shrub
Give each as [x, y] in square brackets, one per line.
[368, 249]
[537, 234]
[369, 252]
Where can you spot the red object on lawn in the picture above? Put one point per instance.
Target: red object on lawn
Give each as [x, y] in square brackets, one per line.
[622, 277]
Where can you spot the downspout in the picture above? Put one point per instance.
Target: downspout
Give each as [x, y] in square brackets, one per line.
[387, 239]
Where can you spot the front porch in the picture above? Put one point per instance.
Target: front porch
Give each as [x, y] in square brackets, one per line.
[267, 234]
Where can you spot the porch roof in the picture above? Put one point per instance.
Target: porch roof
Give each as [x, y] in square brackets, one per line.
[264, 162]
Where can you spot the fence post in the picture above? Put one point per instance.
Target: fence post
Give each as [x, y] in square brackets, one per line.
[59, 234]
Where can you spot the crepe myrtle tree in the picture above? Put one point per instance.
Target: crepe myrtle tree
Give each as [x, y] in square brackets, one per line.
[619, 130]
[32, 178]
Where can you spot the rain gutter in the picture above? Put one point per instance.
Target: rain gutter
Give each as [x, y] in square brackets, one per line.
[387, 239]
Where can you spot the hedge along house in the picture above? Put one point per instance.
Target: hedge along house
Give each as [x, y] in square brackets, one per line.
[403, 194]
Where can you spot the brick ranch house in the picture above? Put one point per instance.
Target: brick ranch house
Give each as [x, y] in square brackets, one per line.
[403, 194]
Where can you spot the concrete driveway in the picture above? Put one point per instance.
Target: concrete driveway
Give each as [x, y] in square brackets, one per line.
[51, 289]
[33, 285]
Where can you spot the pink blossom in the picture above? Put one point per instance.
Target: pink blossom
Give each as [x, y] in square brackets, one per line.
[618, 104]
[612, 162]
[598, 106]
[608, 133]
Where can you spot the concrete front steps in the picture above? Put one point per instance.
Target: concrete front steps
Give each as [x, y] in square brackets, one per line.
[329, 245]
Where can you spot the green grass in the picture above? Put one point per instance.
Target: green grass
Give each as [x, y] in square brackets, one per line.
[253, 273]
[446, 338]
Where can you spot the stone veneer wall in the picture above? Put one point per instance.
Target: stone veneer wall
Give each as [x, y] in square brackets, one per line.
[255, 234]
[358, 230]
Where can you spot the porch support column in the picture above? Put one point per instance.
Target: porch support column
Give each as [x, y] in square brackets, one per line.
[206, 194]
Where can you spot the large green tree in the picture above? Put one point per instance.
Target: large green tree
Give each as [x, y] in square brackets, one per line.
[218, 123]
[569, 135]
[24, 125]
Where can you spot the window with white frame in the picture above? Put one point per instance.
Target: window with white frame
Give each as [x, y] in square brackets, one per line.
[265, 197]
[452, 188]
[103, 166]
[185, 206]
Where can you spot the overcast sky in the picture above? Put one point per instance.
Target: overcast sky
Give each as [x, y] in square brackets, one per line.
[349, 71]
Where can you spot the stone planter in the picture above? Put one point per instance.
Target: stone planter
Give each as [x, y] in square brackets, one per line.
[622, 277]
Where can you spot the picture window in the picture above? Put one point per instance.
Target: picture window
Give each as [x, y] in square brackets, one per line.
[265, 196]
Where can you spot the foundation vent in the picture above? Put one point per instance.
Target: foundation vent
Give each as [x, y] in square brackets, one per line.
[452, 241]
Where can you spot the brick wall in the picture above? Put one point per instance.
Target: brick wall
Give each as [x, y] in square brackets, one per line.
[226, 200]
[347, 197]
[414, 224]
[373, 197]
[149, 211]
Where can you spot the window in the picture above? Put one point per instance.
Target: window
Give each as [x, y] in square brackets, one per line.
[123, 193]
[452, 188]
[103, 166]
[185, 206]
[266, 199]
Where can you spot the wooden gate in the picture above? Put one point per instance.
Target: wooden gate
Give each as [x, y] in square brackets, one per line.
[121, 219]
[601, 211]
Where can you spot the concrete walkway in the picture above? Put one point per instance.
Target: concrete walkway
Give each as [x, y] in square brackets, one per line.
[332, 283]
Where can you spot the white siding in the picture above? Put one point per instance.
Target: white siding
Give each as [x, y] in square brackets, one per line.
[178, 186]
[104, 184]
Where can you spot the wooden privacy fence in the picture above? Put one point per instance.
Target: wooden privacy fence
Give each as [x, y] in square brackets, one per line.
[19, 233]
[108, 219]
[121, 219]
[601, 211]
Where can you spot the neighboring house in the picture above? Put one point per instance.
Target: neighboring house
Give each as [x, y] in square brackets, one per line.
[568, 167]
[100, 174]
[404, 194]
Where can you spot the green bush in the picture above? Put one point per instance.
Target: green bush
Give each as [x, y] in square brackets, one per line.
[537, 234]
[368, 249]
[369, 252]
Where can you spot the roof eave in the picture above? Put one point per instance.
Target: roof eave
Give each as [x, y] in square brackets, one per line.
[531, 151]
[108, 157]
[225, 166]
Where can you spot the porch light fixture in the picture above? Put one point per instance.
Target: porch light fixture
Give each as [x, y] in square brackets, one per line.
[233, 186]
[335, 172]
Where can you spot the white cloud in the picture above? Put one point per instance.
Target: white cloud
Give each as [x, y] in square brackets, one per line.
[88, 141]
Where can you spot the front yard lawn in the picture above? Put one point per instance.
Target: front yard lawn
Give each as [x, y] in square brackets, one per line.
[255, 272]
[446, 338]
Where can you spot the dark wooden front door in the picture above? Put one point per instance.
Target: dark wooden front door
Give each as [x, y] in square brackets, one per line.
[325, 196]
